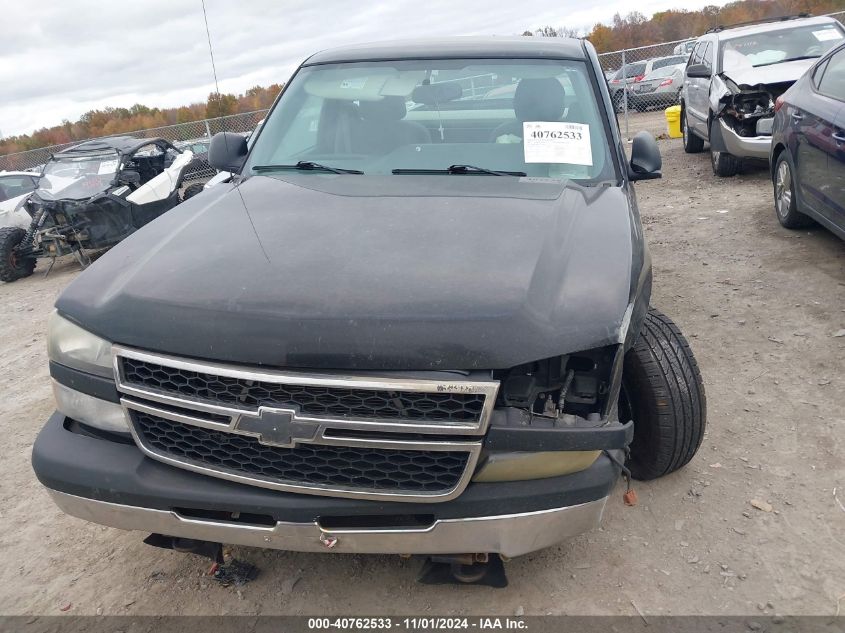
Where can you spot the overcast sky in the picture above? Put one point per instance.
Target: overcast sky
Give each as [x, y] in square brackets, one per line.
[61, 59]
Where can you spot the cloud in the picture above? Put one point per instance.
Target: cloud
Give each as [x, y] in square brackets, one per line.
[63, 59]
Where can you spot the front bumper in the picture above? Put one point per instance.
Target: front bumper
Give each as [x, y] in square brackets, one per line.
[115, 484]
[509, 534]
[745, 146]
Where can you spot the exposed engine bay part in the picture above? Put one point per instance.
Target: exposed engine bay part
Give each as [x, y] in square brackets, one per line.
[746, 110]
[562, 387]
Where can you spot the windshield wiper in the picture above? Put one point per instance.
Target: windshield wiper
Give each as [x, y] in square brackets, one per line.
[788, 59]
[306, 165]
[459, 170]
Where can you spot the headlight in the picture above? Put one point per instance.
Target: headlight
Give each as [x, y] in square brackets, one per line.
[70, 345]
[525, 466]
[89, 410]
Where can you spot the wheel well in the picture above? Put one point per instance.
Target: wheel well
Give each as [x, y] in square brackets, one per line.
[776, 151]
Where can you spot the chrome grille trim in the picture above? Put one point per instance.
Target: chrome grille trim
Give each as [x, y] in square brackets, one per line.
[146, 400]
[488, 388]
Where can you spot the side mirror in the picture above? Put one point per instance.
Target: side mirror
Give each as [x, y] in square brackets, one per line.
[698, 70]
[645, 158]
[227, 152]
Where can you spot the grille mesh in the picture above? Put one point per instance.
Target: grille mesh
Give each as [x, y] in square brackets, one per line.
[309, 465]
[311, 400]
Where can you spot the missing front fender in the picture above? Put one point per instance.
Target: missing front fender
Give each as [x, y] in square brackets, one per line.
[746, 110]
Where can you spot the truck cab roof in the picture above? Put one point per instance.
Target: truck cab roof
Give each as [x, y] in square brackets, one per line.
[455, 48]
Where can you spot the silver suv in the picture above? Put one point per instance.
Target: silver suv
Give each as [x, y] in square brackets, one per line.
[734, 76]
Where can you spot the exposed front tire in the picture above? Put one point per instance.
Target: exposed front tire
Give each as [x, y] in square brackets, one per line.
[663, 393]
[724, 164]
[13, 267]
[786, 204]
[692, 143]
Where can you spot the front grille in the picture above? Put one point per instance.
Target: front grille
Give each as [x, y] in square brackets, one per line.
[412, 438]
[313, 400]
[310, 465]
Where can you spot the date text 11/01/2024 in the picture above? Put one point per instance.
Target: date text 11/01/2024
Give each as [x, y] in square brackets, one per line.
[418, 624]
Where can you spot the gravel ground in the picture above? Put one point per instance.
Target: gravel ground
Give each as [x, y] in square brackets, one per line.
[760, 305]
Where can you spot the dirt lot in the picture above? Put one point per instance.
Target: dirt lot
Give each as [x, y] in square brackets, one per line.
[760, 305]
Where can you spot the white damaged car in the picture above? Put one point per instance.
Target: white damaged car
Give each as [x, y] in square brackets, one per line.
[734, 77]
[15, 188]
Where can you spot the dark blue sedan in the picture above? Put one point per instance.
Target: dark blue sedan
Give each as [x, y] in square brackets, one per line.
[807, 158]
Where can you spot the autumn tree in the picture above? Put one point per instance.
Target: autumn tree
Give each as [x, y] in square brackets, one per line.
[220, 105]
[635, 29]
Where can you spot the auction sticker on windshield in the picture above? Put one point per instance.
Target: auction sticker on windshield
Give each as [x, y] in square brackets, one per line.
[827, 34]
[555, 142]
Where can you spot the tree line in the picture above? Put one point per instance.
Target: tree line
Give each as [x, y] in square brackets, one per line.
[109, 121]
[676, 24]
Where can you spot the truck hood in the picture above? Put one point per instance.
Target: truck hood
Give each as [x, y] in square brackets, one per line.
[368, 272]
[772, 74]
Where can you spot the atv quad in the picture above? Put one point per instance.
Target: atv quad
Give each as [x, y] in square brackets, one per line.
[92, 196]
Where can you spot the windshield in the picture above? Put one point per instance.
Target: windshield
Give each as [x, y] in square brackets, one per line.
[78, 177]
[530, 117]
[630, 71]
[773, 47]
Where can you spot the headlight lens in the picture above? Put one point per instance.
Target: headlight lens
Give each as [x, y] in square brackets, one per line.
[89, 410]
[70, 345]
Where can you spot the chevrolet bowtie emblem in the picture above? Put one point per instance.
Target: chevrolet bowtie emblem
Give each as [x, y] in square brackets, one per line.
[277, 427]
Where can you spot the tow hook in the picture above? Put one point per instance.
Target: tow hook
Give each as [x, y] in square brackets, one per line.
[328, 540]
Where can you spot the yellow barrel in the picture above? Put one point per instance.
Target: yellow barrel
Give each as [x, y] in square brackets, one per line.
[673, 121]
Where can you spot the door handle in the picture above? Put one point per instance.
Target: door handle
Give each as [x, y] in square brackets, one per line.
[839, 137]
[796, 116]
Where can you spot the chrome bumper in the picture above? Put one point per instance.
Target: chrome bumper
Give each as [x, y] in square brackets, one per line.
[509, 534]
[745, 146]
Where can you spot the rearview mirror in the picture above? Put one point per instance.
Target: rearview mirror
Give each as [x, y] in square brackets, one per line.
[645, 158]
[432, 94]
[698, 70]
[227, 152]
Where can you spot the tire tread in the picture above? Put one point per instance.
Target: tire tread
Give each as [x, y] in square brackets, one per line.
[664, 360]
[11, 236]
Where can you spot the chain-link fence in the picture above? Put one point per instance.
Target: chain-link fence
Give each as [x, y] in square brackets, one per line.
[194, 136]
[643, 79]
[646, 80]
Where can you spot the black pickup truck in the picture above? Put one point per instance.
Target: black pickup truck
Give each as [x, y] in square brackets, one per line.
[416, 321]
